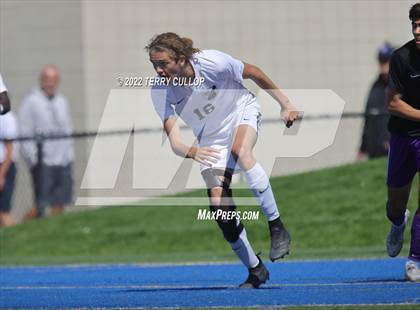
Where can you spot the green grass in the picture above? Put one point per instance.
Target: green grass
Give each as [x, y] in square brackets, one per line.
[331, 213]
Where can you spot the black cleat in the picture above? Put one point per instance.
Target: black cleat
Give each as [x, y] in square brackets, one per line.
[280, 240]
[257, 276]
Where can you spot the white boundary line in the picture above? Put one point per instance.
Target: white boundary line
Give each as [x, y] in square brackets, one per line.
[222, 287]
[199, 263]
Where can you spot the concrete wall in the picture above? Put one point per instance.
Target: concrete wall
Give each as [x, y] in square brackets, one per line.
[299, 44]
[33, 34]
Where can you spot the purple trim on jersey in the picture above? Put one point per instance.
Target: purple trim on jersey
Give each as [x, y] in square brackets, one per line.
[403, 160]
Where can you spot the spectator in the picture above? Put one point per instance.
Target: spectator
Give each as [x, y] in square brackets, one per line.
[45, 112]
[375, 137]
[4, 99]
[8, 156]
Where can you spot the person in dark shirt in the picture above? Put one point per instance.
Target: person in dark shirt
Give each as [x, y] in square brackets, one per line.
[404, 145]
[375, 137]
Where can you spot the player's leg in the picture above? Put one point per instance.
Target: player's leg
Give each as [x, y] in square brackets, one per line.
[39, 174]
[257, 179]
[412, 268]
[259, 183]
[220, 195]
[33, 212]
[6, 195]
[397, 213]
[402, 168]
[220, 199]
[6, 219]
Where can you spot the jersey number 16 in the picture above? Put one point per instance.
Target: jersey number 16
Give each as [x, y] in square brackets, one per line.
[207, 109]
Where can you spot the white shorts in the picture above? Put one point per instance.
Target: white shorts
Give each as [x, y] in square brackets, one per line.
[250, 115]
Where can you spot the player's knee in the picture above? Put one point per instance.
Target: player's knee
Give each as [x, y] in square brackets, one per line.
[231, 228]
[238, 151]
[215, 195]
[215, 191]
[216, 180]
[220, 196]
[212, 179]
[242, 154]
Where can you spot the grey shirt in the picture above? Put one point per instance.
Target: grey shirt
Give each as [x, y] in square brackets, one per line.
[40, 115]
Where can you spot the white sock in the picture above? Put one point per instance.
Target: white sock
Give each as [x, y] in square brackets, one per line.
[260, 186]
[244, 251]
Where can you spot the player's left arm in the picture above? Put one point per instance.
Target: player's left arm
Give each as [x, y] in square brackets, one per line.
[4, 103]
[288, 111]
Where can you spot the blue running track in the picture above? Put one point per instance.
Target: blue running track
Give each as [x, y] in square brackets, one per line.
[334, 282]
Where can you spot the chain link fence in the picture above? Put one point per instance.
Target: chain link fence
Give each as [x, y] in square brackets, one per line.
[83, 142]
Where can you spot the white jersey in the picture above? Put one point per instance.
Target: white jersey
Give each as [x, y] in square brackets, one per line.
[212, 108]
[2, 86]
[8, 131]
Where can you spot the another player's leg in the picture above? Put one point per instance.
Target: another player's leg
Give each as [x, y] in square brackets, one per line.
[6, 197]
[397, 213]
[412, 268]
[40, 181]
[233, 231]
[402, 168]
[259, 183]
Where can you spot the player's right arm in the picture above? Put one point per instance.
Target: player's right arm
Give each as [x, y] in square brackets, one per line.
[399, 107]
[203, 155]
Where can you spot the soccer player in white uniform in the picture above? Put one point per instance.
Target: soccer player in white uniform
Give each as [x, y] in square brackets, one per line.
[4, 99]
[8, 156]
[225, 119]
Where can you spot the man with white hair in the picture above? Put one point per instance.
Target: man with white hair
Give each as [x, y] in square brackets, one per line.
[45, 112]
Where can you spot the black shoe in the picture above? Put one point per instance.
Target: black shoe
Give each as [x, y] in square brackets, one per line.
[257, 276]
[280, 240]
